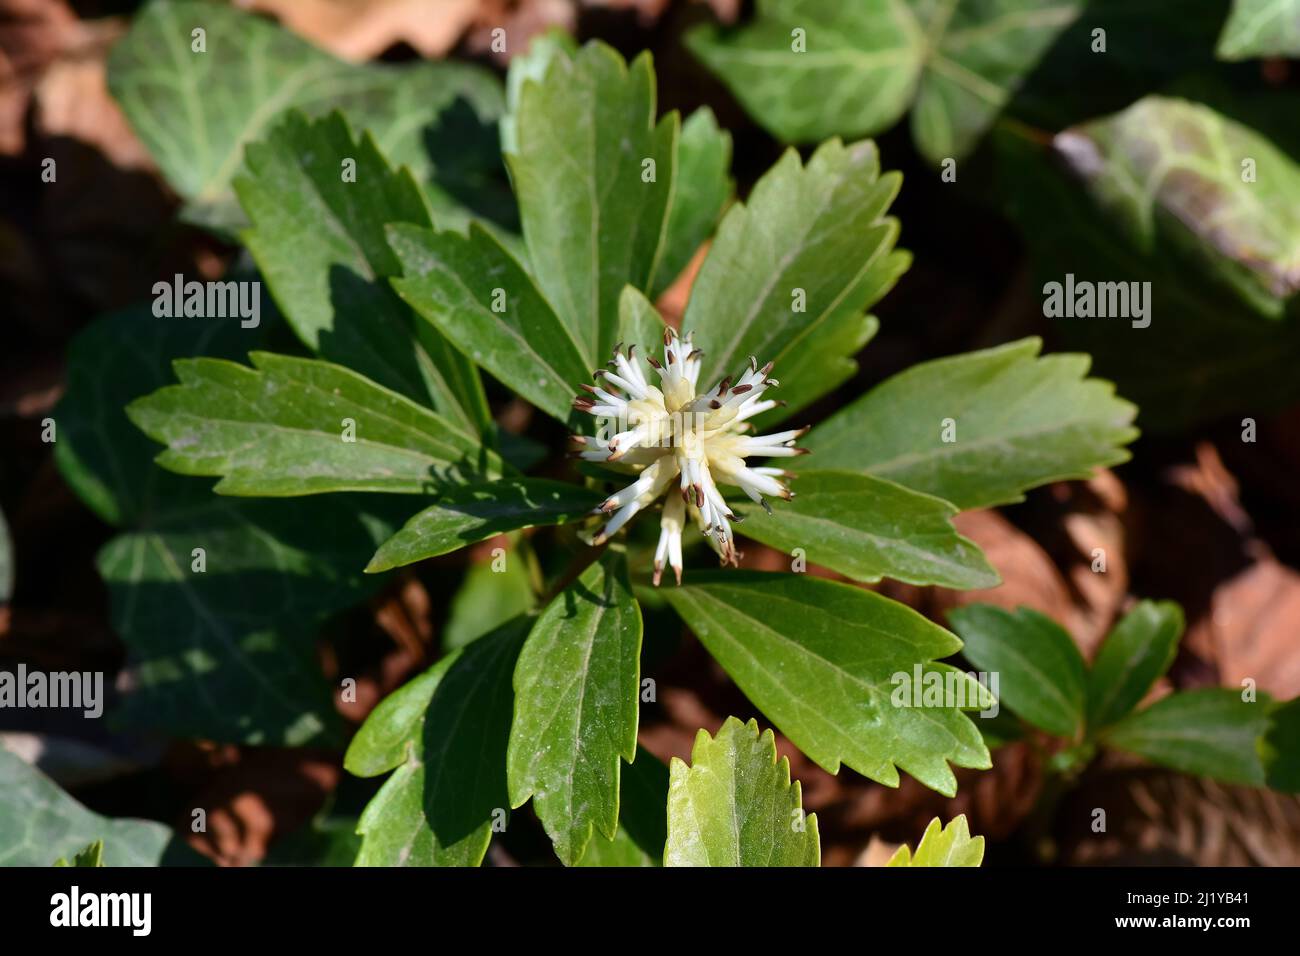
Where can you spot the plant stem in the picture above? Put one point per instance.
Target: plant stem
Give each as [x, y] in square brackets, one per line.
[581, 561]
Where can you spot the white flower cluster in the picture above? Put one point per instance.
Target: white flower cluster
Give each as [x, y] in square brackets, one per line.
[673, 434]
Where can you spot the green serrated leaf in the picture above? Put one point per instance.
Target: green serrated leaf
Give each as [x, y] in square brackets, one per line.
[1261, 28]
[642, 823]
[1280, 747]
[195, 111]
[794, 268]
[735, 805]
[594, 219]
[280, 429]
[825, 662]
[1210, 732]
[477, 294]
[703, 187]
[39, 821]
[1018, 421]
[802, 66]
[940, 845]
[869, 528]
[91, 856]
[1042, 676]
[532, 65]
[477, 512]
[440, 807]
[380, 745]
[1135, 654]
[1168, 167]
[318, 238]
[577, 685]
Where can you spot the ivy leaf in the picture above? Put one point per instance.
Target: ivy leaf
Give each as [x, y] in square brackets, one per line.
[576, 699]
[1135, 654]
[225, 650]
[702, 189]
[793, 270]
[825, 661]
[1018, 420]
[115, 359]
[583, 136]
[940, 845]
[869, 528]
[440, 806]
[318, 238]
[477, 512]
[1261, 28]
[959, 63]
[246, 623]
[1211, 355]
[278, 429]
[39, 821]
[92, 856]
[1210, 732]
[1191, 163]
[642, 824]
[1042, 675]
[195, 111]
[478, 295]
[736, 806]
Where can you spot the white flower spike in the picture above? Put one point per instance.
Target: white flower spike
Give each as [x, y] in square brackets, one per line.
[672, 435]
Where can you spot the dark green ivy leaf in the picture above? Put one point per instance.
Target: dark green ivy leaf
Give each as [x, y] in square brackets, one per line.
[196, 110]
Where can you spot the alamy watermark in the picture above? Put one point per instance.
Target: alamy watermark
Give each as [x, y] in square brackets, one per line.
[946, 688]
[76, 690]
[209, 300]
[1083, 299]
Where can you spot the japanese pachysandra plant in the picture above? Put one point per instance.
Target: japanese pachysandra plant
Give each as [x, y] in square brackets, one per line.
[401, 310]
